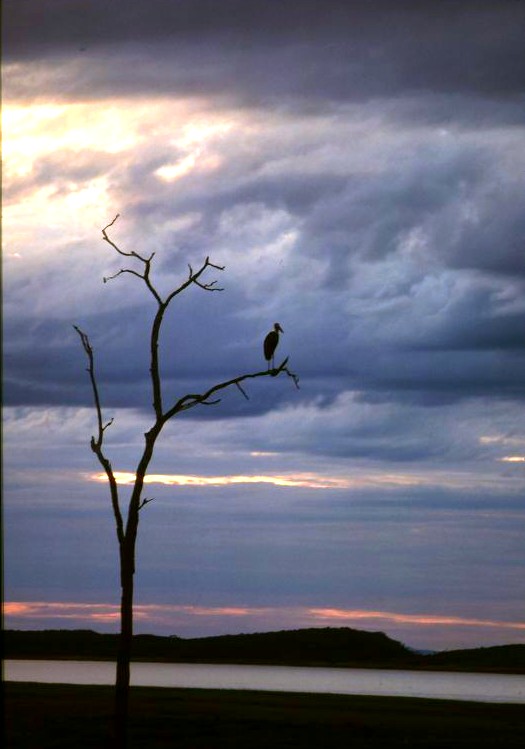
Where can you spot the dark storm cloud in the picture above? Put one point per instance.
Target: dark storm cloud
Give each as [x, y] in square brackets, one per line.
[374, 289]
[330, 50]
[463, 197]
[44, 361]
[471, 326]
[468, 207]
[415, 331]
[467, 356]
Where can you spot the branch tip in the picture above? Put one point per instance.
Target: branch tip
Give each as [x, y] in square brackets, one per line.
[242, 391]
[145, 502]
[110, 224]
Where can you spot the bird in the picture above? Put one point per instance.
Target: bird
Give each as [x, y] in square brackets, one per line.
[270, 343]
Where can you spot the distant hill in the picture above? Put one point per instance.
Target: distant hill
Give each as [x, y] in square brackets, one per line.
[501, 658]
[323, 646]
[316, 646]
[303, 647]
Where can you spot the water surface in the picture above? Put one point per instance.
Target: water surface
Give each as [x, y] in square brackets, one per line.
[431, 684]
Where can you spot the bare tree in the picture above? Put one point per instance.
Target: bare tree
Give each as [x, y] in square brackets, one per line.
[127, 523]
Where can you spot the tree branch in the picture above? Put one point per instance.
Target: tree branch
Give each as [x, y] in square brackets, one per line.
[193, 277]
[120, 272]
[145, 502]
[98, 441]
[146, 261]
[162, 304]
[242, 391]
[194, 399]
[115, 247]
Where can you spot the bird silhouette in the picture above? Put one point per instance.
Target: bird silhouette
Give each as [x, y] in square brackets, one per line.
[270, 343]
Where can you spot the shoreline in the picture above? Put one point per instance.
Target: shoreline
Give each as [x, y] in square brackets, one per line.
[418, 667]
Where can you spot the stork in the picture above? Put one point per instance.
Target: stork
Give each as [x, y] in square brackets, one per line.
[270, 344]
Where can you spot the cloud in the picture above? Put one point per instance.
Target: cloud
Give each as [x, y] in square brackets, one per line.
[101, 613]
[332, 237]
[329, 51]
[387, 442]
[416, 539]
[358, 169]
[418, 619]
[351, 427]
[309, 481]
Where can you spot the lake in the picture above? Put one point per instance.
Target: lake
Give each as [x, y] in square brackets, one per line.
[431, 684]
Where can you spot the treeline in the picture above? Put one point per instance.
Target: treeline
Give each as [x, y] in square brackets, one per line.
[304, 647]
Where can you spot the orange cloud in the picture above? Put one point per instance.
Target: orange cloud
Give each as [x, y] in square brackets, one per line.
[419, 619]
[217, 610]
[292, 616]
[97, 612]
[52, 610]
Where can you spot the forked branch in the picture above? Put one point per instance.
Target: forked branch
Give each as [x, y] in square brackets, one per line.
[193, 276]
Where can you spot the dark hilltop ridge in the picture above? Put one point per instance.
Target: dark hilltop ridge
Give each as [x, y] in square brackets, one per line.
[339, 647]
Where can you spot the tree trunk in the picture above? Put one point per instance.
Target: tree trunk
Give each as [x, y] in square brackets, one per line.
[127, 571]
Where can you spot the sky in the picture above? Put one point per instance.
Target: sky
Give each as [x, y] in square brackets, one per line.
[359, 171]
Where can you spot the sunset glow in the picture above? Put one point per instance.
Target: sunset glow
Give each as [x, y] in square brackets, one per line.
[333, 615]
[360, 480]
[292, 616]
[34, 131]
[309, 481]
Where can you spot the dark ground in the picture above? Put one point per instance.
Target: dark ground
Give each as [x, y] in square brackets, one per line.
[56, 716]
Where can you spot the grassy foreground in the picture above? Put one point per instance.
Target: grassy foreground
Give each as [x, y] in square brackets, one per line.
[59, 716]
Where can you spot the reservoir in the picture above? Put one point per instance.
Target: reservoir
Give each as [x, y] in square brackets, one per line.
[375, 682]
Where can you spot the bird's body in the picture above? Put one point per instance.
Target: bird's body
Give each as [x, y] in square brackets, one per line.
[270, 343]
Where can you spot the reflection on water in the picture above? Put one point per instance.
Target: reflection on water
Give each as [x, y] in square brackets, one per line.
[438, 685]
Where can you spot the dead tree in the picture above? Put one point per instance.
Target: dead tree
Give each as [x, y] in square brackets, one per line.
[127, 523]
